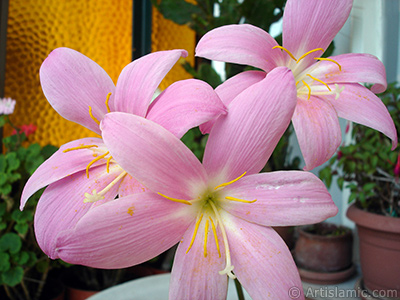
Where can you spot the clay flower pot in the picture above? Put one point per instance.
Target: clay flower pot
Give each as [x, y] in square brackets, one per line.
[379, 249]
[323, 253]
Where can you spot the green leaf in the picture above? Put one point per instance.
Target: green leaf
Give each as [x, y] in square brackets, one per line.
[5, 189]
[179, 11]
[4, 261]
[3, 163]
[21, 228]
[12, 161]
[209, 75]
[13, 276]
[11, 242]
[32, 259]
[3, 120]
[21, 258]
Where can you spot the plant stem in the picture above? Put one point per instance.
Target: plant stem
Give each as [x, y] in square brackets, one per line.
[239, 290]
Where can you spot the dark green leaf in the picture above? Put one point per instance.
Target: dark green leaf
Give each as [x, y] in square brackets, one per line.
[13, 276]
[4, 261]
[11, 242]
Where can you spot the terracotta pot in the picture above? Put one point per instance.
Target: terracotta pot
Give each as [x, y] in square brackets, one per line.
[323, 253]
[287, 234]
[379, 249]
[77, 294]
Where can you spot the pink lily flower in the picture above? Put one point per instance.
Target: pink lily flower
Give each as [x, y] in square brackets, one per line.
[219, 211]
[327, 88]
[82, 174]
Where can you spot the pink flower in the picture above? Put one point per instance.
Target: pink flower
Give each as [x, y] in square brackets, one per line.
[326, 87]
[27, 129]
[219, 211]
[82, 174]
[7, 106]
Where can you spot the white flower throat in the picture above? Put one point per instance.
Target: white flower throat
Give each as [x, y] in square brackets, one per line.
[209, 205]
[305, 81]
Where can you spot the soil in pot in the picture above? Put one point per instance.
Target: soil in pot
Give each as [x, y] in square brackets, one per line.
[323, 253]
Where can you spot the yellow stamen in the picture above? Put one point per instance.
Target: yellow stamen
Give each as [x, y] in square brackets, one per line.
[215, 237]
[331, 60]
[108, 98]
[79, 147]
[319, 80]
[108, 164]
[309, 89]
[176, 200]
[195, 232]
[205, 238]
[99, 196]
[309, 52]
[93, 161]
[230, 182]
[286, 50]
[240, 200]
[93, 117]
[297, 83]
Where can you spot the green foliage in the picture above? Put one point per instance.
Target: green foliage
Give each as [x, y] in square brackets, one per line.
[367, 165]
[20, 256]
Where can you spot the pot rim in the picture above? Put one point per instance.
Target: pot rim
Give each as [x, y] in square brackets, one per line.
[324, 237]
[373, 221]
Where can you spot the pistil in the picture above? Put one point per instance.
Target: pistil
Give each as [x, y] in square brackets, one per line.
[100, 196]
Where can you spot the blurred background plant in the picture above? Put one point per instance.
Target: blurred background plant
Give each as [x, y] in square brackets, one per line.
[23, 265]
[368, 166]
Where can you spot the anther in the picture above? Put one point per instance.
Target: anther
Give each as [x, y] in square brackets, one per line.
[93, 117]
[108, 98]
[240, 200]
[175, 199]
[108, 164]
[196, 228]
[230, 182]
[309, 89]
[80, 147]
[319, 80]
[93, 161]
[287, 51]
[331, 60]
[205, 238]
[309, 52]
[215, 236]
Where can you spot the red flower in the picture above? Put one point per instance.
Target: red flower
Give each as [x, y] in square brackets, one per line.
[27, 129]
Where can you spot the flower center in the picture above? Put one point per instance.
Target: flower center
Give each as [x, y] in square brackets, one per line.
[305, 82]
[209, 215]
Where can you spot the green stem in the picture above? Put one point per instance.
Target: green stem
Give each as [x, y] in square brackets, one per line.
[239, 290]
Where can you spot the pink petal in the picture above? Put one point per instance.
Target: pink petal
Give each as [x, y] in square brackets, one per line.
[195, 276]
[317, 129]
[232, 87]
[153, 155]
[62, 164]
[285, 198]
[358, 104]
[243, 140]
[355, 68]
[72, 82]
[242, 44]
[262, 262]
[129, 186]
[311, 24]
[125, 232]
[139, 80]
[184, 105]
[62, 205]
